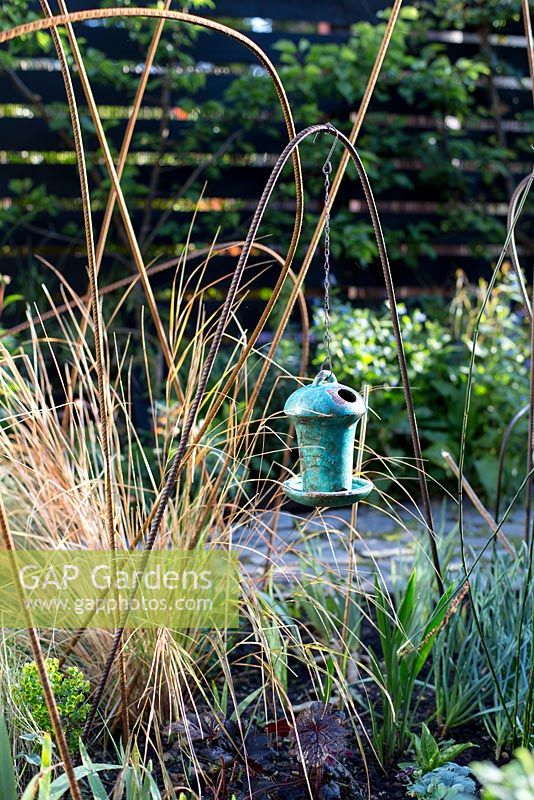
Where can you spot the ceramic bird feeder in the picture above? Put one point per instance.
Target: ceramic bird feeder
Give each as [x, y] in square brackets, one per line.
[325, 415]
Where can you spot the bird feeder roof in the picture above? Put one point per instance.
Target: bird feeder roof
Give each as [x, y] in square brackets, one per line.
[325, 398]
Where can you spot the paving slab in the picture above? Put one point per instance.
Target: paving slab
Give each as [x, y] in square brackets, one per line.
[385, 540]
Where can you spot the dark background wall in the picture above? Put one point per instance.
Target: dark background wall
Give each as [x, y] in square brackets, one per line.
[439, 213]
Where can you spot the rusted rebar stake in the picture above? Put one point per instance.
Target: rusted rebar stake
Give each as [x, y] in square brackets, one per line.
[183, 450]
[50, 700]
[530, 441]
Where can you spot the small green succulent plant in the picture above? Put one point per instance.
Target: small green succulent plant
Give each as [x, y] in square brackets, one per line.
[431, 754]
[448, 782]
[70, 688]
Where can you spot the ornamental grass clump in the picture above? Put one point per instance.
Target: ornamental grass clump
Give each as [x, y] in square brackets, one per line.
[71, 690]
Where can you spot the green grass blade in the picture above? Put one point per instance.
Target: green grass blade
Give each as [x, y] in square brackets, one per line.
[46, 768]
[8, 783]
[407, 606]
[31, 788]
[61, 785]
[95, 783]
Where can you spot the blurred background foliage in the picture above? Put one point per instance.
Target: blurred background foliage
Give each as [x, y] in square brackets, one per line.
[438, 340]
[447, 135]
[447, 128]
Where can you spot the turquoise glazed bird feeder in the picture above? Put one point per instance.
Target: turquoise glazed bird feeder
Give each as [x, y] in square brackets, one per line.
[325, 415]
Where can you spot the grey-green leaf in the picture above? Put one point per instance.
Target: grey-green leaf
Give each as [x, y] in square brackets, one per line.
[8, 783]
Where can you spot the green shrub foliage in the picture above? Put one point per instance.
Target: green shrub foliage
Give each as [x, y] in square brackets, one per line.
[438, 343]
[514, 781]
[431, 754]
[70, 688]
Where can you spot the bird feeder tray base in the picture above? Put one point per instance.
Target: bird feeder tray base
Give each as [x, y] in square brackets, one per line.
[360, 489]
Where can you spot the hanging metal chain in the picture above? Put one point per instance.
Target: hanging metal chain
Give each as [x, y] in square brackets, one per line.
[327, 339]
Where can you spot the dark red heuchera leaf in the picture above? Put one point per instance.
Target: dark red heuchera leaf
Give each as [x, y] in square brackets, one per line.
[280, 727]
[321, 731]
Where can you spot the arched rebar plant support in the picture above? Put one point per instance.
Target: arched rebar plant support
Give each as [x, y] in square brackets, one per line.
[51, 23]
[92, 14]
[179, 458]
[502, 454]
[518, 191]
[98, 335]
[510, 715]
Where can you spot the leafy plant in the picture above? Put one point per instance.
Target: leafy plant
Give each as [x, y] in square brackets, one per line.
[506, 644]
[448, 782]
[322, 80]
[460, 673]
[431, 754]
[481, 671]
[8, 779]
[318, 740]
[319, 736]
[134, 782]
[70, 688]
[398, 663]
[45, 776]
[438, 343]
[223, 746]
[513, 781]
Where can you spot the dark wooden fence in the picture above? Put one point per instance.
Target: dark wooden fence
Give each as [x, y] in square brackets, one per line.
[30, 148]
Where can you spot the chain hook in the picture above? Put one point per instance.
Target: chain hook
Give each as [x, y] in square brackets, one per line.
[327, 166]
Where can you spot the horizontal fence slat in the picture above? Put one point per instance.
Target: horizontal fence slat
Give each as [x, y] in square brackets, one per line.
[209, 47]
[25, 117]
[515, 92]
[337, 12]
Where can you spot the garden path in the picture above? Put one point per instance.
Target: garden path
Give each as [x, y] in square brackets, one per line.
[387, 539]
